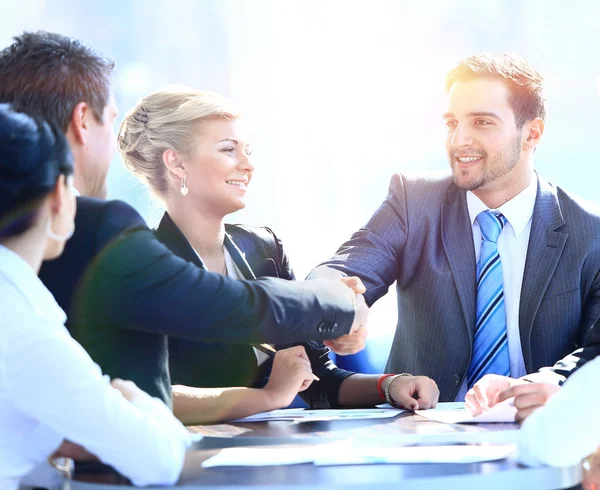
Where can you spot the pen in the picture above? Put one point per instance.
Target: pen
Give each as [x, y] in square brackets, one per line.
[271, 351]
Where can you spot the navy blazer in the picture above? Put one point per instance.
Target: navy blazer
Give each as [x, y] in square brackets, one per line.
[421, 238]
[124, 292]
[97, 223]
[257, 252]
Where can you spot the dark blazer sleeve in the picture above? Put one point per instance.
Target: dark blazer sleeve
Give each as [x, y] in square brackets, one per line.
[114, 218]
[323, 393]
[97, 223]
[137, 283]
[373, 251]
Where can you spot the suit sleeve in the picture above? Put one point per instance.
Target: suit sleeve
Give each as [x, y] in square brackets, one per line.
[372, 252]
[137, 283]
[116, 217]
[323, 393]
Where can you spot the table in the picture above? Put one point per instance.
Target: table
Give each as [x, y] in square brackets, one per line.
[406, 428]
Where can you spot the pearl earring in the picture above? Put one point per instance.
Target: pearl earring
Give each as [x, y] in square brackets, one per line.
[184, 190]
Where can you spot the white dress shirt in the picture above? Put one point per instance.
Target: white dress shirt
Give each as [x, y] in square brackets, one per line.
[512, 248]
[50, 390]
[566, 429]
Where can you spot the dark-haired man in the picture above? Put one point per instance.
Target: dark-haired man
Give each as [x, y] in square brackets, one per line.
[142, 292]
[497, 270]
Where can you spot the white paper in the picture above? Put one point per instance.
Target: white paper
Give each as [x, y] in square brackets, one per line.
[418, 454]
[340, 453]
[304, 415]
[274, 455]
[260, 456]
[456, 413]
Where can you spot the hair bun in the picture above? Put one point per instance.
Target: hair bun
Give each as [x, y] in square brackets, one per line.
[32, 156]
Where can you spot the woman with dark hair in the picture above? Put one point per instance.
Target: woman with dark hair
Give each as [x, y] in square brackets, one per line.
[50, 389]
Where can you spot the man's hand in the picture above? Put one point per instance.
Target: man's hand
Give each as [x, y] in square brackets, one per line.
[290, 374]
[414, 392]
[528, 397]
[353, 342]
[484, 394]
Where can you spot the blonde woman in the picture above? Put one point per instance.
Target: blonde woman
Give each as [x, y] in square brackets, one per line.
[50, 389]
[192, 150]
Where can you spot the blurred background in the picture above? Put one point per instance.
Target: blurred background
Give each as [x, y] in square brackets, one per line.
[338, 95]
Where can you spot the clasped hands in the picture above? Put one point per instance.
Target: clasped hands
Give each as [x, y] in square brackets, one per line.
[493, 389]
[354, 341]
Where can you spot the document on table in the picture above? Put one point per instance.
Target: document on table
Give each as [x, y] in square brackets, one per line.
[339, 453]
[456, 413]
[417, 454]
[274, 455]
[304, 415]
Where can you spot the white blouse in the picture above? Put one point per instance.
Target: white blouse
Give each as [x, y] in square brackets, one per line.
[50, 390]
[566, 429]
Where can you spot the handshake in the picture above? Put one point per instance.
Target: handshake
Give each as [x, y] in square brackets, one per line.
[354, 341]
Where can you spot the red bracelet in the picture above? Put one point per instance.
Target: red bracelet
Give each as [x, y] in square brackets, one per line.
[379, 389]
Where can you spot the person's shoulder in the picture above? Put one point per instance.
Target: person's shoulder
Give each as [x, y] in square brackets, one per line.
[19, 317]
[572, 203]
[426, 185]
[108, 218]
[254, 233]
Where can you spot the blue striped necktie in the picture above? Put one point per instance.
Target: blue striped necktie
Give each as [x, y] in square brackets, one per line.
[490, 347]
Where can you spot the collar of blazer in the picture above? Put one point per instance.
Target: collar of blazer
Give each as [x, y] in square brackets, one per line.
[546, 244]
[547, 206]
[168, 233]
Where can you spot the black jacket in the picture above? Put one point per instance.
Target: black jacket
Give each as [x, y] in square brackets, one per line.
[257, 252]
[124, 292]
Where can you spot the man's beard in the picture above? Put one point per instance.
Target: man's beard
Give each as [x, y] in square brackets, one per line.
[502, 164]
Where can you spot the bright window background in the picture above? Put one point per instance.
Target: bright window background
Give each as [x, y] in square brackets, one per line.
[339, 95]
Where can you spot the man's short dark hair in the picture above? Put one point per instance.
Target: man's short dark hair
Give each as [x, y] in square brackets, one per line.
[525, 85]
[49, 74]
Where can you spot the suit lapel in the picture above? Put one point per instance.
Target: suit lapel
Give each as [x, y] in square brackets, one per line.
[545, 248]
[239, 258]
[168, 233]
[457, 238]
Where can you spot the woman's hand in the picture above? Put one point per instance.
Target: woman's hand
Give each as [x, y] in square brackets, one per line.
[291, 373]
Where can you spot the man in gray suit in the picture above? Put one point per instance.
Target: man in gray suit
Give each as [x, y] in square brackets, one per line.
[496, 270]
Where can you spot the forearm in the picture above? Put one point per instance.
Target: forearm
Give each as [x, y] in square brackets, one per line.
[194, 406]
[359, 390]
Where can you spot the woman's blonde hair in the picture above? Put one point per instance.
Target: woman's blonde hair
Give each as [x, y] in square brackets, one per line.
[164, 120]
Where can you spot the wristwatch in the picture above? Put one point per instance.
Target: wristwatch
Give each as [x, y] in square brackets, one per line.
[386, 389]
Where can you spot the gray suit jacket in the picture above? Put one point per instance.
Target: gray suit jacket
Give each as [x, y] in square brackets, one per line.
[421, 237]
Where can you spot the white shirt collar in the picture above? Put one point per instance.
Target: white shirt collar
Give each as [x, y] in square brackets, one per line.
[18, 272]
[518, 211]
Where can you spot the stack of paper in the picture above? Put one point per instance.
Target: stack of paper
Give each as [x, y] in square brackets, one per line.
[340, 453]
[304, 415]
[456, 413]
